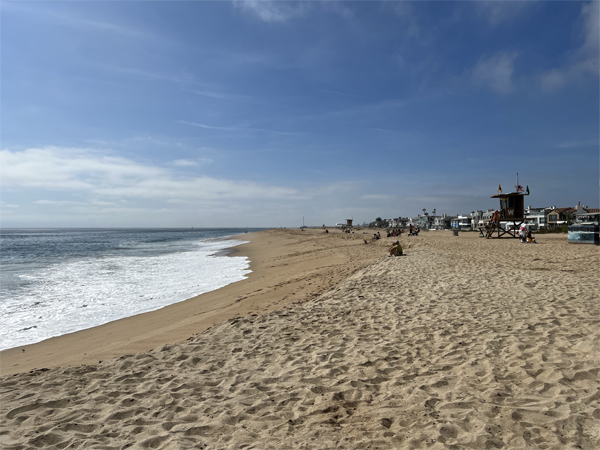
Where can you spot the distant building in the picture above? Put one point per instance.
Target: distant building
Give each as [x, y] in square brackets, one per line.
[558, 216]
[461, 222]
[585, 214]
[536, 218]
[476, 218]
[440, 222]
[486, 216]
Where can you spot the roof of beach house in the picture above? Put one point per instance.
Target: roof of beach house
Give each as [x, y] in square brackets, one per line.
[562, 210]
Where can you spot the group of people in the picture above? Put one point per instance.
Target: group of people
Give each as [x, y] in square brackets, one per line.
[395, 232]
[413, 231]
[525, 235]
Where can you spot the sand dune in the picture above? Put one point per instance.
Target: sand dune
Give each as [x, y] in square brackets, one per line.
[463, 343]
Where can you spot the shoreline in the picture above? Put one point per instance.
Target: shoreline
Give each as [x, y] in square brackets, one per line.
[180, 321]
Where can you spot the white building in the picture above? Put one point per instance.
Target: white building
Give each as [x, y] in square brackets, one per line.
[536, 217]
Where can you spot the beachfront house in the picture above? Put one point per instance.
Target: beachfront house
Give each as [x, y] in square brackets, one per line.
[476, 217]
[440, 222]
[536, 218]
[584, 214]
[485, 218]
[419, 221]
[392, 223]
[461, 222]
[558, 216]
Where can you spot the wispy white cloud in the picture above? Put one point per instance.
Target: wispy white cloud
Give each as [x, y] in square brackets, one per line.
[496, 71]
[221, 95]
[281, 11]
[107, 177]
[344, 94]
[183, 77]
[236, 128]
[553, 79]
[191, 162]
[342, 9]
[370, 109]
[496, 12]
[208, 127]
[58, 202]
[583, 143]
[184, 163]
[274, 11]
[405, 12]
[69, 18]
[375, 197]
[590, 16]
[584, 60]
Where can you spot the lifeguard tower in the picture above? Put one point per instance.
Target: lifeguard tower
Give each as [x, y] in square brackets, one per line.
[509, 218]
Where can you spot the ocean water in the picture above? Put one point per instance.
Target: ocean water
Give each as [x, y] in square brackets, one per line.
[57, 281]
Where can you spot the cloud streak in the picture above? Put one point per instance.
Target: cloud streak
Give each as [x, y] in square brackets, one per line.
[496, 72]
[69, 19]
[273, 12]
[86, 172]
[236, 129]
[585, 59]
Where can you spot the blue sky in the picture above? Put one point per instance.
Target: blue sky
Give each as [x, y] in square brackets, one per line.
[254, 113]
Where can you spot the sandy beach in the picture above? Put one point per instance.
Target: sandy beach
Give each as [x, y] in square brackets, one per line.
[462, 343]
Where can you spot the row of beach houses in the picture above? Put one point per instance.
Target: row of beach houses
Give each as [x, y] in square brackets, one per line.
[537, 218]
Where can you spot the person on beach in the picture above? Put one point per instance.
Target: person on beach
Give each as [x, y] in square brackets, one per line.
[410, 230]
[495, 216]
[396, 249]
[523, 232]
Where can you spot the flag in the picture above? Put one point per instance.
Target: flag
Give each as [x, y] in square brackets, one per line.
[520, 188]
[527, 190]
[500, 189]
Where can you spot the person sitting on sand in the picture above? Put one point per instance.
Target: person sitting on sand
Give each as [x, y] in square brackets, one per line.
[396, 249]
[531, 238]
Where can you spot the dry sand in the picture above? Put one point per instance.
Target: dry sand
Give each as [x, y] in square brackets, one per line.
[463, 343]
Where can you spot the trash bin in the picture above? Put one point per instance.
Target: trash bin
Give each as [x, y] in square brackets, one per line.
[454, 232]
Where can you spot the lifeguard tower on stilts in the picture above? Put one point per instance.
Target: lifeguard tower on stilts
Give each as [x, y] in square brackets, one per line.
[507, 221]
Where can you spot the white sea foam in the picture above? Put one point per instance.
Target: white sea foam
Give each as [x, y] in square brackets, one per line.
[84, 293]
